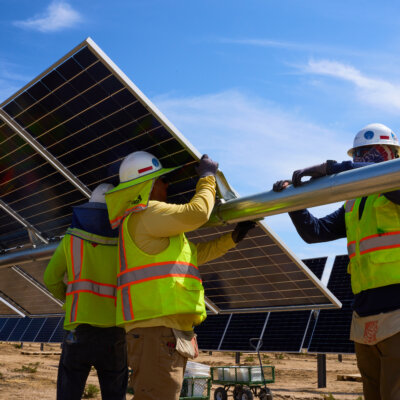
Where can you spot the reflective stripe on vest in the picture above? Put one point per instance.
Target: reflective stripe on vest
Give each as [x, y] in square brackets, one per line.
[349, 205]
[86, 285]
[158, 271]
[379, 242]
[90, 237]
[351, 249]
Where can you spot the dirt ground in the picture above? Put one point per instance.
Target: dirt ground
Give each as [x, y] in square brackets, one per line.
[296, 374]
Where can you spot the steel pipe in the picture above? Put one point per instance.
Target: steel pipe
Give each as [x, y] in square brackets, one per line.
[28, 255]
[377, 178]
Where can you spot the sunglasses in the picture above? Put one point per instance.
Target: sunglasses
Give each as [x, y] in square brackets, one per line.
[360, 151]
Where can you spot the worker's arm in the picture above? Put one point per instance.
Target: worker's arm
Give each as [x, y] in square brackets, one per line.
[55, 271]
[208, 251]
[166, 220]
[316, 230]
[335, 168]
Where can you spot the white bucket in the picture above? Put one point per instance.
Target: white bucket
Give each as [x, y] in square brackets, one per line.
[256, 374]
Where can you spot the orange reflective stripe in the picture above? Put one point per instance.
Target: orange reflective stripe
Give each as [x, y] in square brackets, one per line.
[91, 287]
[127, 309]
[158, 271]
[351, 249]
[349, 205]
[380, 242]
[117, 221]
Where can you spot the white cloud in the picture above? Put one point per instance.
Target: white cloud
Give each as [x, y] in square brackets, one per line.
[59, 15]
[255, 142]
[374, 91]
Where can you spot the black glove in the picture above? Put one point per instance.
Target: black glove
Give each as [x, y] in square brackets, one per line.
[206, 166]
[316, 171]
[241, 229]
[280, 185]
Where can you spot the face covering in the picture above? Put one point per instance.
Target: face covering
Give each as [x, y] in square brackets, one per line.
[375, 154]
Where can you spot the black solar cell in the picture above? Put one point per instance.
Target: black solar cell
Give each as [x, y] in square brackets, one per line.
[47, 330]
[34, 327]
[19, 329]
[8, 328]
[210, 331]
[339, 281]
[332, 331]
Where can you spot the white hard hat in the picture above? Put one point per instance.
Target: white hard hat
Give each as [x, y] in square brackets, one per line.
[138, 164]
[139, 167]
[374, 134]
[98, 194]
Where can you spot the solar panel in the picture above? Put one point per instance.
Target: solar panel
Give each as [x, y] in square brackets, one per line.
[34, 327]
[340, 281]
[8, 328]
[81, 117]
[241, 328]
[332, 329]
[47, 330]
[31, 300]
[58, 334]
[210, 332]
[19, 329]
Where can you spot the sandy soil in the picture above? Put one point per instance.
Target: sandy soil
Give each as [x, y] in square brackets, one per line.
[296, 374]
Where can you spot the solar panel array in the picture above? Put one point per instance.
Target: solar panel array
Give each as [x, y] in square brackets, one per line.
[332, 330]
[279, 331]
[41, 330]
[84, 116]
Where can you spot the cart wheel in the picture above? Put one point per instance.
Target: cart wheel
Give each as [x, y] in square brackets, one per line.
[246, 395]
[266, 394]
[220, 394]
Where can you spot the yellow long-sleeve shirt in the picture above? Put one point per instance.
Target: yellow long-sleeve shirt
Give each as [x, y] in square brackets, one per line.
[150, 229]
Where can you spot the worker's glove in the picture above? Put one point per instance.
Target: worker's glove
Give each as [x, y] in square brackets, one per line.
[241, 229]
[206, 166]
[278, 186]
[316, 171]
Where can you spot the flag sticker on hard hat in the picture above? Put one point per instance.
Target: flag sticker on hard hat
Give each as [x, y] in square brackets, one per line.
[149, 168]
[155, 162]
[369, 135]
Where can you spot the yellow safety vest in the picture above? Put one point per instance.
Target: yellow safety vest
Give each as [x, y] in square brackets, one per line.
[92, 282]
[373, 243]
[151, 286]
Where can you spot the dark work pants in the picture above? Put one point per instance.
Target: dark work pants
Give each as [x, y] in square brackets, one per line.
[102, 348]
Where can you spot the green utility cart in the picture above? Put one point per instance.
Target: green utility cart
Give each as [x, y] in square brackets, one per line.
[247, 382]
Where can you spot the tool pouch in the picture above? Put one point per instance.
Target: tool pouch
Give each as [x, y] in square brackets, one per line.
[186, 343]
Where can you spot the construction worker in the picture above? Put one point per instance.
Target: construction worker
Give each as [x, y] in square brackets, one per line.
[372, 227]
[88, 256]
[160, 296]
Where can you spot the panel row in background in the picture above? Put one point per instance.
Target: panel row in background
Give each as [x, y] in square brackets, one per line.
[40, 330]
[326, 331]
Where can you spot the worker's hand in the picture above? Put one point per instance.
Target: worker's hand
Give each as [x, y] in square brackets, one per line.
[241, 230]
[281, 185]
[206, 166]
[316, 171]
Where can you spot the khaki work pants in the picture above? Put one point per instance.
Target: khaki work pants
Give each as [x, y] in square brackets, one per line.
[157, 368]
[379, 365]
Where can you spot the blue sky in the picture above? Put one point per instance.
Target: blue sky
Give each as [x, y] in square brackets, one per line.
[264, 87]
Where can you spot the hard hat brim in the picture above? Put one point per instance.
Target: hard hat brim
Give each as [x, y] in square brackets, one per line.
[153, 175]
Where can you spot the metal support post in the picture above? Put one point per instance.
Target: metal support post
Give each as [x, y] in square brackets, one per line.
[237, 358]
[340, 357]
[41, 346]
[321, 366]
